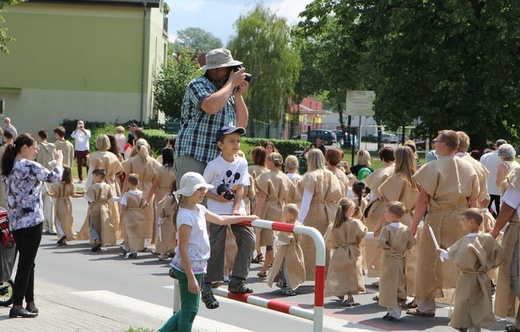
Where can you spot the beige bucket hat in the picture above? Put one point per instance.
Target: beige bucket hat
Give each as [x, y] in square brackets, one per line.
[219, 58]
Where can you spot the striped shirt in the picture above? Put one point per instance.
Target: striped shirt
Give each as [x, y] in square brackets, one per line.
[197, 135]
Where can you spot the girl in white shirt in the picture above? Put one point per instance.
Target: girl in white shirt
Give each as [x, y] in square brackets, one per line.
[193, 250]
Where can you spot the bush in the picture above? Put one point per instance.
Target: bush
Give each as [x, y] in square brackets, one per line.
[284, 147]
[157, 138]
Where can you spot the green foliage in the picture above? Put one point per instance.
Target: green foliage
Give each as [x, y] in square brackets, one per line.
[284, 147]
[263, 43]
[4, 37]
[170, 85]
[197, 40]
[453, 64]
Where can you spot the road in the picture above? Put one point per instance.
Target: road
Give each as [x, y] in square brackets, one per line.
[107, 278]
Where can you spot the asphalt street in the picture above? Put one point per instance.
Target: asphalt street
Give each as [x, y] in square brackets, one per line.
[107, 292]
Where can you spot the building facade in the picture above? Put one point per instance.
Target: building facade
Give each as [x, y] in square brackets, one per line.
[91, 60]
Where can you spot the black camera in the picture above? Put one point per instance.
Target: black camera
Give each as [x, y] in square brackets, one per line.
[228, 194]
[247, 77]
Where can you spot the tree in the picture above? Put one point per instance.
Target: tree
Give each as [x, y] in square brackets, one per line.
[197, 40]
[4, 37]
[264, 44]
[170, 85]
[453, 64]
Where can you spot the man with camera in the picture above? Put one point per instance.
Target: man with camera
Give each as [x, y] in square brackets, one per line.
[81, 147]
[211, 101]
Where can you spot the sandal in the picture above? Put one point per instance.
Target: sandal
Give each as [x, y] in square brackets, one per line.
[238, 288]
[376, 298]
[409, 305]
[511, 328]
[417, 312]
[258, 259]
[281, 284]
[262, 274]
[288, 291]
[209, 300]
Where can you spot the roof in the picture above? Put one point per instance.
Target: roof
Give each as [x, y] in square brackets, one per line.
[149, 3]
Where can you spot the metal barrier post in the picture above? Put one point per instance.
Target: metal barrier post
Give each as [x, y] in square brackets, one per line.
[319, 288]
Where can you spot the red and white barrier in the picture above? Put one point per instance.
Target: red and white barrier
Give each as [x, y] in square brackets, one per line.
[315, 315]
[319, 284]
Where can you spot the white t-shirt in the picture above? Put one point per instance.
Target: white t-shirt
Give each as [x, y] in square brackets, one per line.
[134, 192]
[512, 198]
[294, 176]
[491, 161]
[220, 172]
[198, 244]
[121, 142]
[81, 142]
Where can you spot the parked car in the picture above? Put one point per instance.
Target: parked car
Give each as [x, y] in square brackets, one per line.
[420, 145]
[344, 142]
[329, 136]
[389, 138]
[385, 138]
[371, 138]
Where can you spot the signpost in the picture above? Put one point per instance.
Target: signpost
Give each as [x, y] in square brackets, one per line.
[359, 103]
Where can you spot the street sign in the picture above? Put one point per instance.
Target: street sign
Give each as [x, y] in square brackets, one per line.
[360, 103]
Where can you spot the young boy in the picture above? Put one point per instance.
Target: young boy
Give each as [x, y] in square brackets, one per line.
[228, 174]
[132, 203]
[65, 146]
[474, 254]
[394, 240]
[98, 195]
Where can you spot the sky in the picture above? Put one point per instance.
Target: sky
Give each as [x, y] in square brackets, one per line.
[218, 16]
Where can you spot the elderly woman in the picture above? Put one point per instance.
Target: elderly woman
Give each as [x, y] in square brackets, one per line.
[507, 154]
[321, 191]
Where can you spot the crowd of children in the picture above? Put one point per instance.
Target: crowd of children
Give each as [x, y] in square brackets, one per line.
[366, 223]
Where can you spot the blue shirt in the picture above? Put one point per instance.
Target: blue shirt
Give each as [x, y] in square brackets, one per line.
[23, 191]
[197, 135]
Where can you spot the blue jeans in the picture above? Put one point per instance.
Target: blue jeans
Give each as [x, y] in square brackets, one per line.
[183, 319]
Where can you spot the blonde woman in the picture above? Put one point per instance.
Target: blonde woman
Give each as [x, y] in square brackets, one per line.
[402, 187]
[321, 191]
[363, 161]
[110, 163]
[144, 166]
[376, 204]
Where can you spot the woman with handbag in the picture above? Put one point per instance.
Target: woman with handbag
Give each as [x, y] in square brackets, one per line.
[23, 179]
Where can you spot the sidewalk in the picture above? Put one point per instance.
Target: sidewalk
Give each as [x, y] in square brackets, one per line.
[64, 310]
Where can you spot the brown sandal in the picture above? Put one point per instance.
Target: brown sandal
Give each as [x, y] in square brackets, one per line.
[417, 312]
[258, 259]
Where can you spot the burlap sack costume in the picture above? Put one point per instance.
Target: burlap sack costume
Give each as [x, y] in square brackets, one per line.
[451, 184]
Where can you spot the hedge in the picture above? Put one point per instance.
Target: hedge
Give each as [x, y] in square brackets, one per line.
[157, 138]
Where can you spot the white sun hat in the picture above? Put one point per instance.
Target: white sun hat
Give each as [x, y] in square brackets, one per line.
[191, 182]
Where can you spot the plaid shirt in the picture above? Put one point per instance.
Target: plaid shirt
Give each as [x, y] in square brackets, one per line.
[198, 132]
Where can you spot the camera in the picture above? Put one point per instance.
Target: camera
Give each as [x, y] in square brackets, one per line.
[247, 77]
[228, 194]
